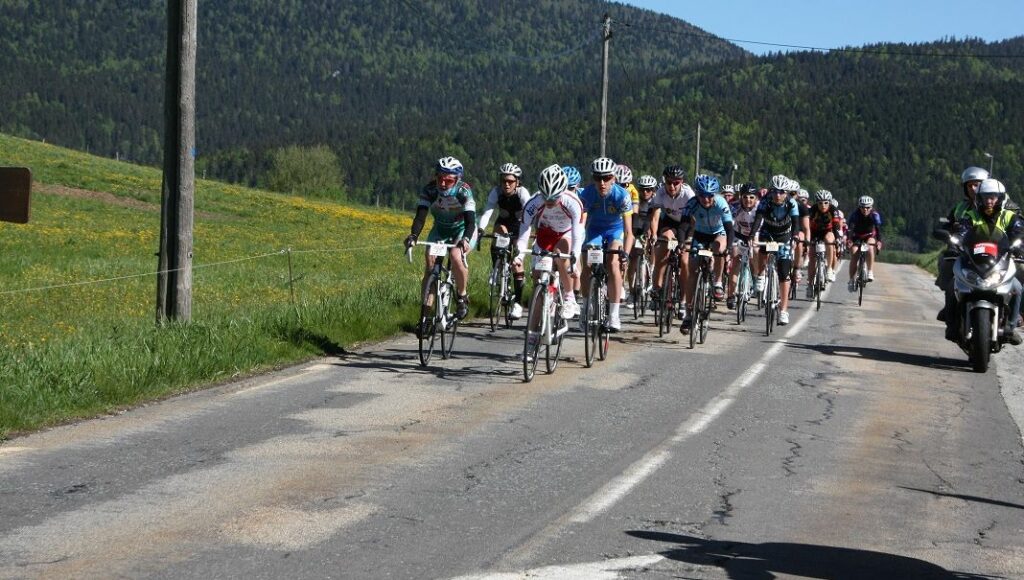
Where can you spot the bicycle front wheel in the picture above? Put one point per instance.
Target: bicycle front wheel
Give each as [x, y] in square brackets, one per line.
[705, 313]
[449, 323]
[602, 327]
[698, 306]
[535, 323]
[427, 332]
[771, 300]
[591, 321]
[862, 278]
[668, 307]
[557, 333]
[495, 295]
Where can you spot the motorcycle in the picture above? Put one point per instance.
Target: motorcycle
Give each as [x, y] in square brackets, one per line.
[983, 283]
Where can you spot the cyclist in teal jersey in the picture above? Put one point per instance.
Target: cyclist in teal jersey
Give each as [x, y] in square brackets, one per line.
[709, 218]
[450, 201]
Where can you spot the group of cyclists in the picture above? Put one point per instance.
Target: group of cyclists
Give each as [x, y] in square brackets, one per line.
[628, 219]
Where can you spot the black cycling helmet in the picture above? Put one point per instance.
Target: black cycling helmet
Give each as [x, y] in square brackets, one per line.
[674, 172]
[750, 188]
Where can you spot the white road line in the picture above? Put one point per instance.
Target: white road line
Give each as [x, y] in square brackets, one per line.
[636, 473]
[603, 570]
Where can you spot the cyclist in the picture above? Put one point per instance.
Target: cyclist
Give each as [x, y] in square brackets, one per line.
[865, 226]
[825, 227]
[778, 220]
[841, 239]
[990, 220]
[609, 225]
[744, 212]
[575, 178]
[449, 200]
[641, 219]
[709, 218]
[509, 198]
[666, 219]
[970, 179]
[804, 207]
[556, 216]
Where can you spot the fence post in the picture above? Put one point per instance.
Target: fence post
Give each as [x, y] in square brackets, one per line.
[291, 279]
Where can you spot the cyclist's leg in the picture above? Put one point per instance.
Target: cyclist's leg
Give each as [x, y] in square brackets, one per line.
[871, 256]
[784, 264]
[564, 273]
[661, 256]
[854, 254]
[718, 247]
[613, 265]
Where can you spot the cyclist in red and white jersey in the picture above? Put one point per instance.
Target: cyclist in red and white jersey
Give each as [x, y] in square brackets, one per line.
[558, 219]
[744, 213]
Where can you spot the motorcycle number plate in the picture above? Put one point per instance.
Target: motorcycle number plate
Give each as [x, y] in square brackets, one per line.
[705, 253]
[672, 245]
[771, 246]
[595, 257]
[501, 242]
[438, 250]
[542, 264]
[819, 247]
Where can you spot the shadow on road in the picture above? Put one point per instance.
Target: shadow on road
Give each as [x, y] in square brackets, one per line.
[403, 361]
[741, 560]
[973, 498]
[883, 355]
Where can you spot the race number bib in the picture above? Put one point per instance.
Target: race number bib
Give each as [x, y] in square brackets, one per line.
[595, 257]
[438, 250]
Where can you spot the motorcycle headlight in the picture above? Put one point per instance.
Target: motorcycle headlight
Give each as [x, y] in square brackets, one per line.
[991, 280]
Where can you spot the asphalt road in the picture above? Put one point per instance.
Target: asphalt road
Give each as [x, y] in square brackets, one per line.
[854, 443]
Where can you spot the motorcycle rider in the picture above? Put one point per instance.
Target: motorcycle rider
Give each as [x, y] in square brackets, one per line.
[989, 220]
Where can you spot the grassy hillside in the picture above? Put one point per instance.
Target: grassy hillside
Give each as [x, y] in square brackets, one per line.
[84, 349]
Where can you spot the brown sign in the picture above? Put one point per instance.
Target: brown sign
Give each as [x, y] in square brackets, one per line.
[15, 187]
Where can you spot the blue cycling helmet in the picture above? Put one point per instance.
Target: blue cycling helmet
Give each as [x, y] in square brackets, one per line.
[573, 174]
[706, 185]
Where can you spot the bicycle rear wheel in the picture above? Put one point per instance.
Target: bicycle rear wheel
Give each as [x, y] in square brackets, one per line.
[771, 300]
[591, 322]
[668, 306]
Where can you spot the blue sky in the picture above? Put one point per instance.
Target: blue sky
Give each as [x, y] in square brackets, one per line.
[837, 23]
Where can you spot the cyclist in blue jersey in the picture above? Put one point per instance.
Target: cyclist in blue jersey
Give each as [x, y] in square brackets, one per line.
[450, 201]
[609, 225]
[709, 219]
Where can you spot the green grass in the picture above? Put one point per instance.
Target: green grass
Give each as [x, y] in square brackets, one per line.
[73, 352]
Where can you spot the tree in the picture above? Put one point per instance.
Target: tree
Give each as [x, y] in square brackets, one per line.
[308, 171]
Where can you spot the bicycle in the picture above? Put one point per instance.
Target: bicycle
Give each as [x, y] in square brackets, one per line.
[500, 283]
[671, 294]
[744, 283]
[703, 297]
[594, 317]
[437, 316]
[641, 282]
[545, 320]
[770, 296]
[862, 269]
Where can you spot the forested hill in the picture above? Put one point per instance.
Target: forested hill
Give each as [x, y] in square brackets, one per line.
[89, 74]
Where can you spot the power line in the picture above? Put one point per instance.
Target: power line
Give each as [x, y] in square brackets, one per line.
[702, 34]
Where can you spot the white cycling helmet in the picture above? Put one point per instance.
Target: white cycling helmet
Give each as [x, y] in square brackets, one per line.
[510, 169]
[727, 188]
[794, 185]
[602, 166]
[449, 165]
[553, 182]
[647, 182]
[822, 195]
[780, 182]
[623, 174]
[802, 194]
[865, 201]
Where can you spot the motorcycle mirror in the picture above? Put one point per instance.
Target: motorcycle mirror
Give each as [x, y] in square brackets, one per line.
[941, 235]
[943, 220]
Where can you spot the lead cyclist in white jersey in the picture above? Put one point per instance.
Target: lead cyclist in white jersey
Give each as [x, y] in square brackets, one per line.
[558, 218]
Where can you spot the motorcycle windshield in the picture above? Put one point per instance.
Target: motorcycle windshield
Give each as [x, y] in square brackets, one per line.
[984, 250]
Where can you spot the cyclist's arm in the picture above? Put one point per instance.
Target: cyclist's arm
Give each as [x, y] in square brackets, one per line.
[419, 220]
[492, 202]
[579, 231]
[730, 234]
[652, 223]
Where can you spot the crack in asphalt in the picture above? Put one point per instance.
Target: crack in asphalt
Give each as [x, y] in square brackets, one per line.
[830, 407]
[902, 442]
[473, 473]
[944, 484]
[983, 533]
[789, 462]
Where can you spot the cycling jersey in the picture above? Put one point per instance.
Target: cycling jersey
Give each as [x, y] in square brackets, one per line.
[671, 207]
[454, 215]
[777, 222]
[743, 220]
[552, 223]
[510, 208]
[709, 220]
[862, 227]
[823, 222]
[604, 212]
[641, 217]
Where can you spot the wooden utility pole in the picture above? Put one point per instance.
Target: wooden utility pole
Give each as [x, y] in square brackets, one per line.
[696, 165]
[174, 280]
[604, 83]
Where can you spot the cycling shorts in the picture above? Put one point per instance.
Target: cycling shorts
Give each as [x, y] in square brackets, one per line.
[702, 240]
[666, 225]
[604, 236]
[447, 234]
[547, 238]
